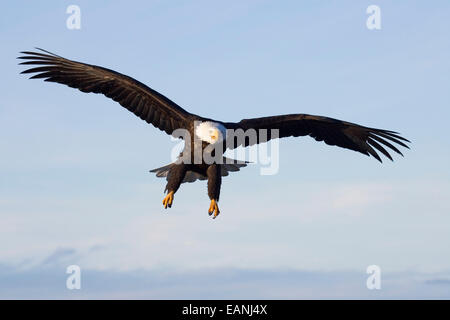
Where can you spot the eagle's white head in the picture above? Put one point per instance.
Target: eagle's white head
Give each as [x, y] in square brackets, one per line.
[211, 132]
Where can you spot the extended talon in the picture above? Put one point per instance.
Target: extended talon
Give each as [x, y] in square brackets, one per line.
[213, 208]
[167, 201]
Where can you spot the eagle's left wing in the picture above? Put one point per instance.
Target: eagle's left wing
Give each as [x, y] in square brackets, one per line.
[332, 131]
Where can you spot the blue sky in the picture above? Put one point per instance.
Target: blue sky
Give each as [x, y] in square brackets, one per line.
[75, 187]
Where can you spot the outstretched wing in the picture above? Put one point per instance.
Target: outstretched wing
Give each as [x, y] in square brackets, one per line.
[332, 131]
[143, 101]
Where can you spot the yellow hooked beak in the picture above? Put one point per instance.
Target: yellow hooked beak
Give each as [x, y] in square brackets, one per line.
[215, 135]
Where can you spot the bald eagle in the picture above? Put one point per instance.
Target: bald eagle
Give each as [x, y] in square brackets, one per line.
[167, 116]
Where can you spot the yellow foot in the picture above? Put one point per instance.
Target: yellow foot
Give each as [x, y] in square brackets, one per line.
[213, 208]
[167, 201]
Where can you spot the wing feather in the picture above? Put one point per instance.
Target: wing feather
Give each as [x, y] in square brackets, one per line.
[331, 131]
[143, 101]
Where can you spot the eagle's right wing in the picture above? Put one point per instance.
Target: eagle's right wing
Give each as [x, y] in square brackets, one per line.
[143, 101]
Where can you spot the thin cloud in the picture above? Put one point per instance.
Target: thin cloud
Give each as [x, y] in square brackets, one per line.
[214, 283]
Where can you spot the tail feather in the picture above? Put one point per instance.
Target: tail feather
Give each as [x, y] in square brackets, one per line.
[163, 171]
[229, 165]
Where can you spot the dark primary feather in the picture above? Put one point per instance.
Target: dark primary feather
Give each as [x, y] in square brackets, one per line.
[332, 131]
[143, 101]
